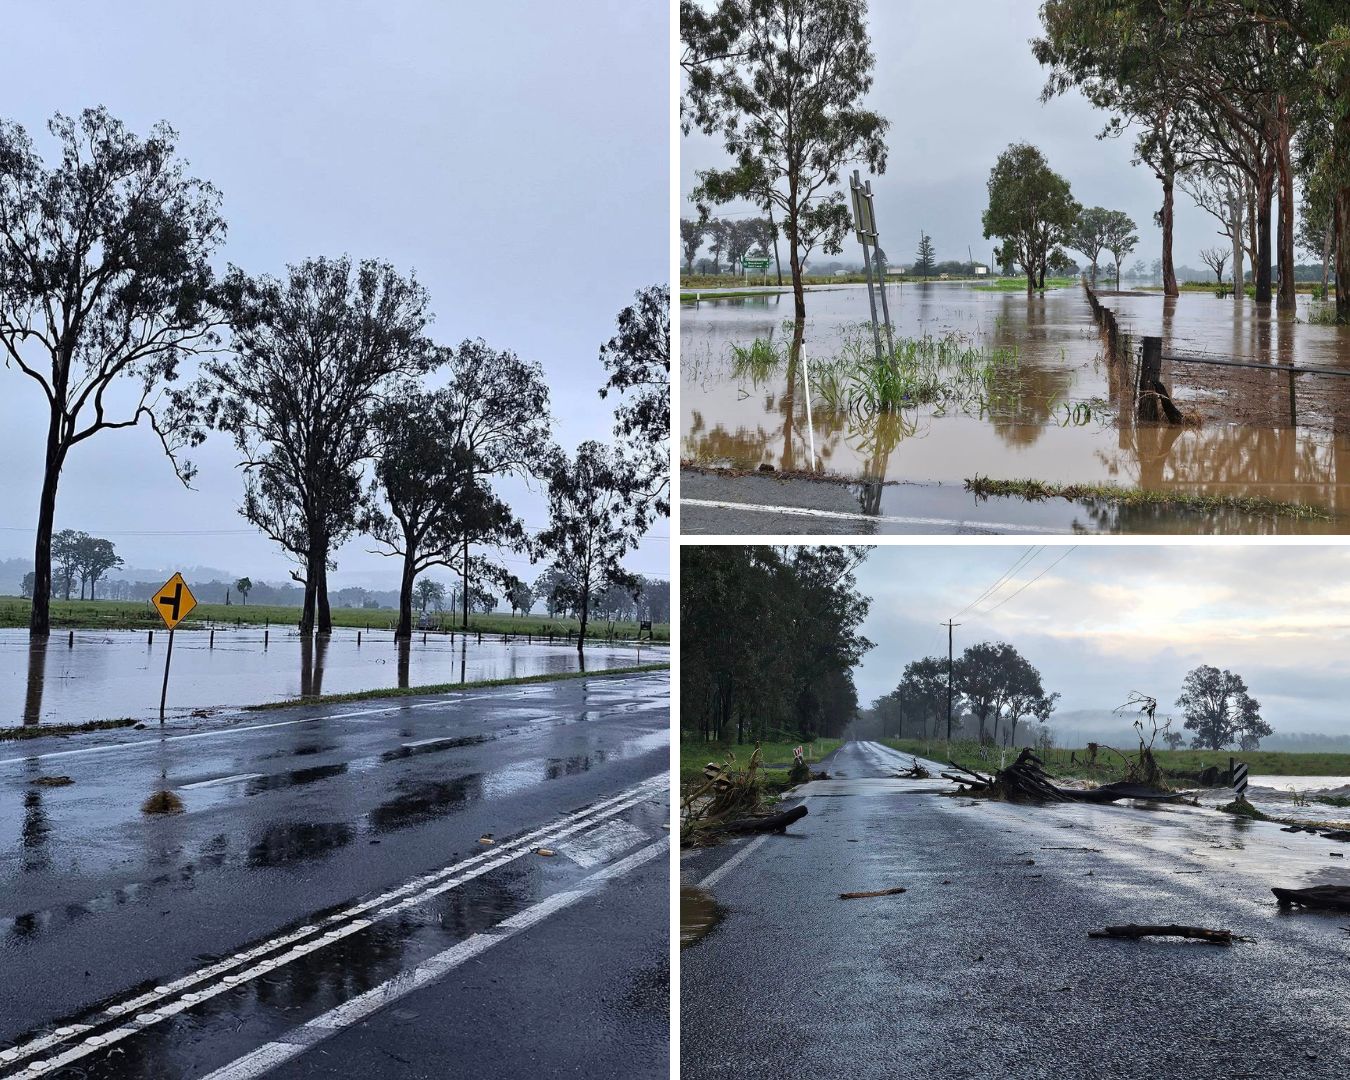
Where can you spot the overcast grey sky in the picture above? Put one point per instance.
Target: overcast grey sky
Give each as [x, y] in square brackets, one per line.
[515, 154]
[1109, 619]
[959, 84]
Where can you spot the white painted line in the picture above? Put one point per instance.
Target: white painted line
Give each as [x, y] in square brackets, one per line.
[221, 780]
[884, 519]
[430, 742]
[270, 1055]
[733, 862]
[602, 844]
[335, 927]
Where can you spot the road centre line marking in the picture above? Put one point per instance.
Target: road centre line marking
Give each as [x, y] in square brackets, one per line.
[839, 515]
[296, 1042]
[138, 743]
[411, 893]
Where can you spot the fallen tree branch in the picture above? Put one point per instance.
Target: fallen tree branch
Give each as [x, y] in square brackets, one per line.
[1198, 933]
[875, 892]
[1320, 897]
[772, 823]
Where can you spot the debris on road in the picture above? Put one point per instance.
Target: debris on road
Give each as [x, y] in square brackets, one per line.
[544, 851]
[875, 892]
[771, 823]
[1198, 933]
[51, 781]
[1026, 778]
[915, 772]
[1320, 897]
[486, 839]
[162, 802]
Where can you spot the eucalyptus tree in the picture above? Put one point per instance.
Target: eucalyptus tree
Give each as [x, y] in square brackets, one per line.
[1119, 237]
[498, 411]
[95, 557]
[312, 354]
[1088, 235]
[692, 232]
[595, 520]
[1030, 208]
[637, 358]
[433, 486]
[106, 287]
[788, 104]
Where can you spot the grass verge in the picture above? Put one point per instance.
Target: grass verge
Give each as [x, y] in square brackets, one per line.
[40, 731]
[445, 688]
[695, 753]
[1034, 490]
[1019, 284]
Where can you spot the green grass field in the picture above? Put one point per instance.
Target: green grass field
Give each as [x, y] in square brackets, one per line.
[1109, 766]
[134, 615]
[1014, 284]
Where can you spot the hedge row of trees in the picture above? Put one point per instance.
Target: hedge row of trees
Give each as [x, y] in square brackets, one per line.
[321, 377]
[769, 637]
[77, 556]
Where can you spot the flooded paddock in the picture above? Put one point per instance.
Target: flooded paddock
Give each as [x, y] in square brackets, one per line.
[110, 674]
[1059, 414]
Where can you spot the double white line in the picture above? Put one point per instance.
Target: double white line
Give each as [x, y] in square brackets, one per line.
[207, 982]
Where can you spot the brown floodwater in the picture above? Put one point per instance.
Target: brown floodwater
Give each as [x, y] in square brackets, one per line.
[1062, 415]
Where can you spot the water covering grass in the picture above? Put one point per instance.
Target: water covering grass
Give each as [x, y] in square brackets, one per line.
[1019, 284]
[946, 373]
[756, 361]
[1111, 494]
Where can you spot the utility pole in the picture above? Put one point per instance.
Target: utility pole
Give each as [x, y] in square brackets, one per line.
[950, 626]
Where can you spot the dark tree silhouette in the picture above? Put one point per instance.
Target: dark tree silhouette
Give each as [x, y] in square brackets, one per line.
[638, 361]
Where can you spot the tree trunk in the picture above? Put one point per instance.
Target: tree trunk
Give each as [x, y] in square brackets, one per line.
[1236, 224]
[777, 262]
[1265, 194]
[464, 597]
[1326, 254]
[1287, 301]
[405, 593]
[1168, 221]
[794, 253]
[39, 619]
[307, 612]
[1343, 254]
[582, 612]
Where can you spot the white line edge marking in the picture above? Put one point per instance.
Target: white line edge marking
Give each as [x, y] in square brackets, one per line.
[839, 515]
[733, 862]
[307, 1035]
[415, 892]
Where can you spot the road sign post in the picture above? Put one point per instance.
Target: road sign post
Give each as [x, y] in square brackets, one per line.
[173, 601]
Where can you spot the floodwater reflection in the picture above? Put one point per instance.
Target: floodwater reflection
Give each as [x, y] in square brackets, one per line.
[1054, 417]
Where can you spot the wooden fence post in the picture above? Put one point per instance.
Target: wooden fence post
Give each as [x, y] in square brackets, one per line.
[1150, 376]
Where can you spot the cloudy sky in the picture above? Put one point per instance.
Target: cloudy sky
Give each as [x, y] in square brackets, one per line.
[514, 154]
[959, 84]
[1108, 619]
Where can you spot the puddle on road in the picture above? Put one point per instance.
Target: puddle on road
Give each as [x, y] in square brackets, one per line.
[421, 802]
[1051, 420]
[699, 913]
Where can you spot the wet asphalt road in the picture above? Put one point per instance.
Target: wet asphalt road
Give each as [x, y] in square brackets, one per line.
[323, 907]
[983, 968]
[712, 503]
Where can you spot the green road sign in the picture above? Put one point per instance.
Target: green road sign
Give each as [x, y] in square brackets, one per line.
[755, 264]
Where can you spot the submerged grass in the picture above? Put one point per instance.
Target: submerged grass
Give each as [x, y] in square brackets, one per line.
[1256, 505]
[39, 731]
[756, 361]
[945, 373]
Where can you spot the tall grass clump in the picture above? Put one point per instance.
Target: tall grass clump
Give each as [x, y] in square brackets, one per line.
[943, 372]
[756, 361]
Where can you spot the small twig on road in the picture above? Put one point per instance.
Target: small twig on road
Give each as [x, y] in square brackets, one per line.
[876, 892]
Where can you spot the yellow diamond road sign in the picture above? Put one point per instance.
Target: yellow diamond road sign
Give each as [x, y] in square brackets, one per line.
[174, 601]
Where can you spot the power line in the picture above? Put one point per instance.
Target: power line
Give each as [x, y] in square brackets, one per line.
[1037, 578]
[1030, 553]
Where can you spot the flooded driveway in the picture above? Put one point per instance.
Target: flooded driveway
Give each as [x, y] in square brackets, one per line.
[1052, 417]
[109, 674]
[345, 885]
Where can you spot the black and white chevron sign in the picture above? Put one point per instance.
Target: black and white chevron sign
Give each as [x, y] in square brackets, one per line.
[1240, 779]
